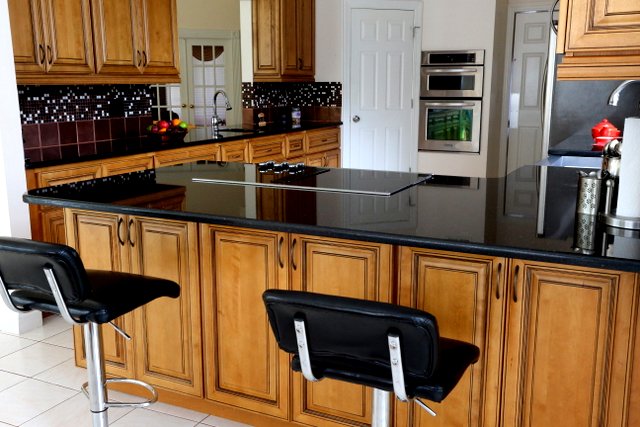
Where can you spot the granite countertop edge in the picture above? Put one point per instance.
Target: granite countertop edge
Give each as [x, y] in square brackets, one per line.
[575, 259]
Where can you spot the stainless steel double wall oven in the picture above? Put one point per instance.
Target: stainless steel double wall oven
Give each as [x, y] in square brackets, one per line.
[451, 100]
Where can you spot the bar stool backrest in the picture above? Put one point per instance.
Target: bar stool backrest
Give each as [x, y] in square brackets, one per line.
[353, 333]
[23, 263]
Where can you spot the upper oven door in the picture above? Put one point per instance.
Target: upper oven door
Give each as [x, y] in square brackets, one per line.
[451, 82]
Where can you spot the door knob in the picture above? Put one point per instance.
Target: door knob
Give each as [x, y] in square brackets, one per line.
[356, 119]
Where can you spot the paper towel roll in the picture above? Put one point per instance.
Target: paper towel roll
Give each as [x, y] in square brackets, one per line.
[629, 190]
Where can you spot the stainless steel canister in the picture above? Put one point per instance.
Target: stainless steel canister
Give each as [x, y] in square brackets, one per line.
[589, 189]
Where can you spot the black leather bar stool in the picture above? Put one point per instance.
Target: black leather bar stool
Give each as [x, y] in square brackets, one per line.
[384, 346]
[51, 278]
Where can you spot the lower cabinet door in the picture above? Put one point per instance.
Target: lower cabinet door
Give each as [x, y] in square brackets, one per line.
[243, 365]
[466, 295]
[167, 337]
[98, 238]
[351, 269]
[569, 339]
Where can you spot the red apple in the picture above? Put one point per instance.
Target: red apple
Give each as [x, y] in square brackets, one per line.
[163, 124]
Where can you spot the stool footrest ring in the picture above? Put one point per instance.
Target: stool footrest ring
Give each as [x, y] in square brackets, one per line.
[141, 404]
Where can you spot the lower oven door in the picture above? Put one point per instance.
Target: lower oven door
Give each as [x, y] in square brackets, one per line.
[450, 125]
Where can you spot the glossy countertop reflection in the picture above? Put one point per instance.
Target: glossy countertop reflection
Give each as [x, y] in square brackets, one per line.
[530, 214]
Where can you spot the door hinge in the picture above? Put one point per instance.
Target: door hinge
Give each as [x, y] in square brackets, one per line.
[415, 30]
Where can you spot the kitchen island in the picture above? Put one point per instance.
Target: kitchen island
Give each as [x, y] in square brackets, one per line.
[497, 261]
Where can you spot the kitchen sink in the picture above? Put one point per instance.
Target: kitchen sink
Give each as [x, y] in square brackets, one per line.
[572, 162]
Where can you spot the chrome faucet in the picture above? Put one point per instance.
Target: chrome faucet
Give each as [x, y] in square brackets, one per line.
[615, 95]
[216, 121]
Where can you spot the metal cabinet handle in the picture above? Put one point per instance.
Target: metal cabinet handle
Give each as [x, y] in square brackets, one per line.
[50, 54]
[449, 104]
[300, 63]
[120, 240]
[293, 256]
[131, 242]
[499, 280]
[139, 58]
[515, 284]
[280, 242]
[144, 55]
[356, 119]
[43, 55]
[453, 70]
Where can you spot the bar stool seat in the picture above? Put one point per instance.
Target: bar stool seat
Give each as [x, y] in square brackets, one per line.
[388, 347]
[51, 278]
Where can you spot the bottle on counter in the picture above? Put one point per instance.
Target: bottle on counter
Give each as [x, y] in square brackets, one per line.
[296, 117]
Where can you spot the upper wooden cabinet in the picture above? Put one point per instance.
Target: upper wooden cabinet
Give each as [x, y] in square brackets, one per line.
[51, 37]
[283, 40]
[600, 39]
[94, 41]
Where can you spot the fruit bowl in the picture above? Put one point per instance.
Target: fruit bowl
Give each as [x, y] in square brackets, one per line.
[164, 131]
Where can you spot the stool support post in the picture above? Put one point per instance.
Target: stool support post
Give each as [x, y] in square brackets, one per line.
[96, 374]
[381, 414]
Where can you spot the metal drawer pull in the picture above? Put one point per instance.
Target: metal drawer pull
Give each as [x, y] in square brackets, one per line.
[129, 233]
[499, 280]
[515, 284]
[280, 242]
[120, 240]
[293, 252]
[43, 55]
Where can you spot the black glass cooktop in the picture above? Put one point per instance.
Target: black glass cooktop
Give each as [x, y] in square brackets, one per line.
[308, 178]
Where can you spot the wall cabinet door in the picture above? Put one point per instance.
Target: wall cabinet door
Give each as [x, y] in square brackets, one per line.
[600, 39]
[52, 36]
[466, 295]
[159, 37]
[338, 267]
[243, 364]
[568, 342]
[266, 39]
[117, 44]
[298, 38]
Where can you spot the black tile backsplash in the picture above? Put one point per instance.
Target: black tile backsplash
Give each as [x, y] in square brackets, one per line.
[316, 94]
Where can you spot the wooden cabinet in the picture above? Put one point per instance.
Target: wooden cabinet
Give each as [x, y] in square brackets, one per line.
[154, 247]
[267, 148]
[187, 154]
[244, 366]
[347, 268]
[283, 40]
[600, 39]
[51, 37]
[466, 294]
[568, 342]
[127, 164]
[94, 41]
[294, 145]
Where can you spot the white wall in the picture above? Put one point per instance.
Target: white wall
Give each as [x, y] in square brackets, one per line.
[14, 214]
[329, 40]
[208, 14]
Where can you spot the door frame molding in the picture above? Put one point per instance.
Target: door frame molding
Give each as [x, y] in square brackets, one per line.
[415, 6]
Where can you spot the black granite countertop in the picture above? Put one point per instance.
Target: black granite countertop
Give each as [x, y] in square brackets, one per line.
[575, 145]
[516, 216]
[198, 136]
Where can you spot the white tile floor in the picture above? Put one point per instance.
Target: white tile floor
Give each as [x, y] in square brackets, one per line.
[40, 387]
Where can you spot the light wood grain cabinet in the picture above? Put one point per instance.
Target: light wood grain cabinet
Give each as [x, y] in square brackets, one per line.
[154, 247]
[347, 268]
[466, 294]
[94, 41]
[600, 39]
[186, 155]
[283, 40]
[51, 37]
[267, 148]
[568, 345]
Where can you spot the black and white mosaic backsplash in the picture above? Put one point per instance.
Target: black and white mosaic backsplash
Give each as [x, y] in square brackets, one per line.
[266, 95]
[47, 104]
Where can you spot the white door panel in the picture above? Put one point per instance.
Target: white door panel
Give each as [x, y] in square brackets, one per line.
[381, 82]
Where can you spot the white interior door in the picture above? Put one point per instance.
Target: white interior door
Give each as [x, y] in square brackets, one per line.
[382, 69]
[526, 106]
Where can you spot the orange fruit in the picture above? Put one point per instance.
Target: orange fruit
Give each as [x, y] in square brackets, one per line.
[176, 122]
[162, 130]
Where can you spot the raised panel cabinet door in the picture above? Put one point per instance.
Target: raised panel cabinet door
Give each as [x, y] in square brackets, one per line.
[128, 164]
[466, 295]
[346, 268]
[158, 26]
[117, 47]
[100, 239]
[167, 338]
[568, 344]
[53, 225]
[305, 25]
[29, 49]
[611, 26]
[266, 39]
[289, 37]
[243, 365]
[68, 36]
[332, 159]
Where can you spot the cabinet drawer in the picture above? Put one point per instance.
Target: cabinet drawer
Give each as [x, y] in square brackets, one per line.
[234, 151]
[66, 174]
[128, 164]
[323, 140]
[187, 155]
[269, 148]
[294, 145]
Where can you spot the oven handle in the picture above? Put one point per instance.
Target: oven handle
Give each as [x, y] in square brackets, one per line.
[449, 104]
[452, 70]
